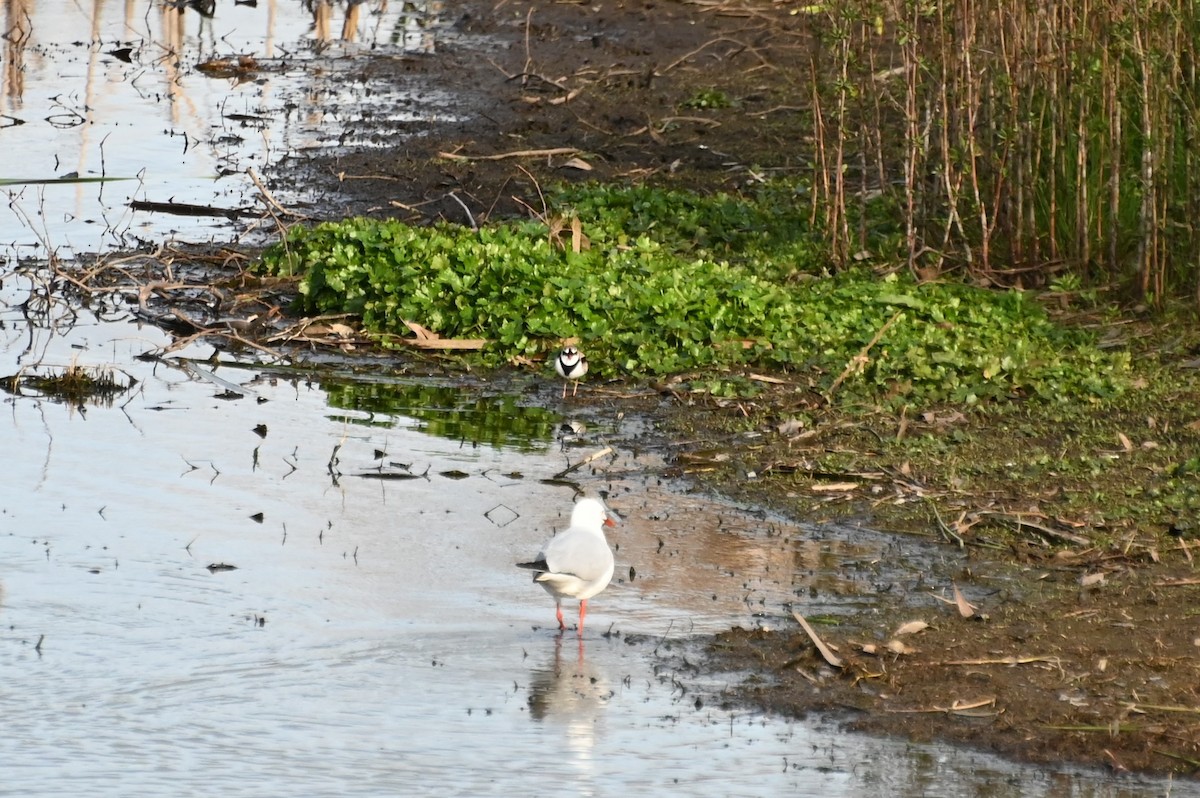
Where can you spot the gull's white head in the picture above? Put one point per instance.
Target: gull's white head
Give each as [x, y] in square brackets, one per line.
[591, 514]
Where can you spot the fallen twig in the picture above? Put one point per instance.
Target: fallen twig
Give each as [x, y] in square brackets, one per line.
[589, 459]
[1163, 708]
[1056, 534]
[188, 209]
[1177, 582]
[1011, 660]
[828, 654]
[858, 361]
[957, 708]
[270, 199]
[453, 156]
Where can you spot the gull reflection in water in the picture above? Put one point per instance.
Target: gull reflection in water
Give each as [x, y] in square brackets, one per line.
[573, 693]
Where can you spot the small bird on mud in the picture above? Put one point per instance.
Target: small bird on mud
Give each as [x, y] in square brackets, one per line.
[577, 562]
[571, 365]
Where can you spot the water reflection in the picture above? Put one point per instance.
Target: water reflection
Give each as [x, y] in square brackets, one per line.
[572, 694]
[449, 412]
[15, 28]
[101, 92]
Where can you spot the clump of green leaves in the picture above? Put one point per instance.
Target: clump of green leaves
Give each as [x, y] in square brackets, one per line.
[656, 294]
[708, 99]
[768, 227]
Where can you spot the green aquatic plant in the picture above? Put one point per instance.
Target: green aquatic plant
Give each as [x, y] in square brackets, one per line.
[653, 295]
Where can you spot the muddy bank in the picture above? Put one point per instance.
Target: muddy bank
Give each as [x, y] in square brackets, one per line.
[1048, 671]
[605, 91]
[1077, 651]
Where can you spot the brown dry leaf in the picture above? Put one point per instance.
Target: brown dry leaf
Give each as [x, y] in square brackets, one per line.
[964, 607]
[1126, 444]
[421, 332]
[427, 339]
[578, 163]
[829, 656]
[1091, 579]
[897, 647]
[870, 648]
[912, 627]
[579, 241]
[341, 330]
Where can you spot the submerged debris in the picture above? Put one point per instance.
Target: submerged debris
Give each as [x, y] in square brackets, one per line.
[74, 384]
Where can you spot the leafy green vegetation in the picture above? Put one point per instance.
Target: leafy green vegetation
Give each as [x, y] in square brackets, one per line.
[708, 98]
[677, 283]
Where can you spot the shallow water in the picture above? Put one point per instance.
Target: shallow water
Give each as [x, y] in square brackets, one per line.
[114, 90]
[375, 638]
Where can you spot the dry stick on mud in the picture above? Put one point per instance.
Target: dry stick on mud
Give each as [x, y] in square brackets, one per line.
[203, 332]
[1011, 660]
[954, 709]
[1016, 518]
[544, 216]
[267, 194]
[741, 48]
[828, 654]
[271, 202]
[453, 156]
[589, 459]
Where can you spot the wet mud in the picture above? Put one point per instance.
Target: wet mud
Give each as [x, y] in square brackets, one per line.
[570, 92]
